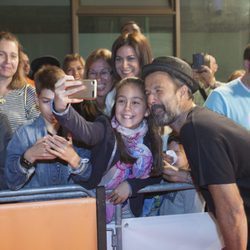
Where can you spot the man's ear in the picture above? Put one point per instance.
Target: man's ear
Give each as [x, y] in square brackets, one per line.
[183, 90]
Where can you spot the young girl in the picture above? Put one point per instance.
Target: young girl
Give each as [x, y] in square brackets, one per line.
[125, 152]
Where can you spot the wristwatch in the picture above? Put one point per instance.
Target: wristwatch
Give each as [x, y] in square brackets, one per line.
[25, 163]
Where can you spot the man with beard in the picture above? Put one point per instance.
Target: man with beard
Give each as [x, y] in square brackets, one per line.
[217, 149]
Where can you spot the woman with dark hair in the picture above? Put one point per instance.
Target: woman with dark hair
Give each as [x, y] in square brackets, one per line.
[130, 52]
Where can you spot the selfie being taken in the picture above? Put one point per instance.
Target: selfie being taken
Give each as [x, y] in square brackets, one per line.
[125, 125]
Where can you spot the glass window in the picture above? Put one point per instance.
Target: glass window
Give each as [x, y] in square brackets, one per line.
[41, 30]
[220, 28]
[125, 3]
[96, 32]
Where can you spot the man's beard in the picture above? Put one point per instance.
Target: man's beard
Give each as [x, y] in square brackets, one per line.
[162, 117]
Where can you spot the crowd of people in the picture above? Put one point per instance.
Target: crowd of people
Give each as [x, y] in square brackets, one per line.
[50, 138]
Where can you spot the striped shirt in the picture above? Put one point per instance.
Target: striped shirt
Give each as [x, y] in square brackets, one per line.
[19, 106]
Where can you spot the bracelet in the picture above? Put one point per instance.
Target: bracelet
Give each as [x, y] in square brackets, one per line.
[83, 164]
[25, 163]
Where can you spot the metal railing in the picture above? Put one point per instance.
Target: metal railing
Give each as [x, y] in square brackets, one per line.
[76, 191]
[63, 192]
[46, 193]
[157, 188]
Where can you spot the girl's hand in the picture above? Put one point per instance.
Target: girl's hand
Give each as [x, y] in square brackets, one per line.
[62, 93]
[120, 194]
[62, 148]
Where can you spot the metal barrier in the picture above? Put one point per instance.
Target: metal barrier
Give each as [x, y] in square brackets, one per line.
[166, 186]
[59, 193]
[48, 193]
[157, 188]
[76, 191]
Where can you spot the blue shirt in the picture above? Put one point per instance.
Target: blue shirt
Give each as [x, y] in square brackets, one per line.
[233, 101]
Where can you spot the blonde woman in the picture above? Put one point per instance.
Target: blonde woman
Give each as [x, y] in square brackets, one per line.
[17, 99]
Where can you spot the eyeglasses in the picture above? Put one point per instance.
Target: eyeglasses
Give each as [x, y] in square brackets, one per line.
[102, 74]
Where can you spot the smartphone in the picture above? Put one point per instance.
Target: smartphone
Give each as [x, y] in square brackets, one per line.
[90, 93]
[198, 61]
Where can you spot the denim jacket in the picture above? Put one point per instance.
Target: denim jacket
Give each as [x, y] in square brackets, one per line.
[45, 173]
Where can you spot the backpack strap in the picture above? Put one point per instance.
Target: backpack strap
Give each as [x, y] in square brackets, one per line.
[111, 157]
[203, 93]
